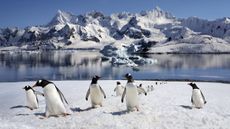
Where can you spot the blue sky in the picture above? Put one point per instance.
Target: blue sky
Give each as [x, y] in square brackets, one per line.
[22, 13]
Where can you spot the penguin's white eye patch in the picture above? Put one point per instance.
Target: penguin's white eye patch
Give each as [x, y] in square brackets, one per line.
[39, 81]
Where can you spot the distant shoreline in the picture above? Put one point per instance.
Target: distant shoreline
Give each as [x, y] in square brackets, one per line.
[170, 80]
[95, 49]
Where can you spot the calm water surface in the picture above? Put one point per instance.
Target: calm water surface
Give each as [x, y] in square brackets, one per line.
[82, 65]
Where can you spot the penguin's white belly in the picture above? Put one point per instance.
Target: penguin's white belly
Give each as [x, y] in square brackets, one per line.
[197, 98]
[95, 95]
[31, 99]
[54, 105]
[119, 90]
[131, 98]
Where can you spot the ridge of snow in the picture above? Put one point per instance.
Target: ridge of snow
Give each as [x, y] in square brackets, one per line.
[62, 18]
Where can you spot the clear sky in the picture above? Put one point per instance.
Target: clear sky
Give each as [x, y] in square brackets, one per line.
[22, 13]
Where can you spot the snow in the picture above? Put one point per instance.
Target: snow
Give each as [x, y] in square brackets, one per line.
[167, 106]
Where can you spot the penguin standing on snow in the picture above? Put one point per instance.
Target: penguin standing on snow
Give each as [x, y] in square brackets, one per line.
[54, 98]
[119, 89]
[141, 90]
[31, 97]
[197, 98]
[131, 94]
[96, 93]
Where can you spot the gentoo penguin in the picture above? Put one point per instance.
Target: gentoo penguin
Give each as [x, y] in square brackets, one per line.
[131, 94]
[148, 88]
[31, 97]
[119, 89]
[152, 88]
[54, 98]
[197, 98]
[141, 90]
[96, 93]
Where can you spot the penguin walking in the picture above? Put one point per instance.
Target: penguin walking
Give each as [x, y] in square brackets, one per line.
[55, 100]
[197, 99]
[131, 94]
[96, 93]
[119, 89]
[141, 90]
[31, 97]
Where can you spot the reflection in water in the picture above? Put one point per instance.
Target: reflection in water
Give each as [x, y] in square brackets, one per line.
[80, 65]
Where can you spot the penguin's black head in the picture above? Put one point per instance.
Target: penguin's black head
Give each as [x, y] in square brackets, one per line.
[193, 85]
[94, 79]
[27, 87]
[42, 83]
[129, 77]
[140, 85]
[118, 83]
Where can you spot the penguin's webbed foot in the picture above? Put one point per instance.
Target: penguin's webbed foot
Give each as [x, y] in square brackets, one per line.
[137, 108]
[66, 114]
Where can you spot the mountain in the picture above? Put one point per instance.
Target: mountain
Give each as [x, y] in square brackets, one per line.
[154, 31]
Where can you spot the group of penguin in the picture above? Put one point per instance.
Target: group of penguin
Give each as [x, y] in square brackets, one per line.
[56, 102]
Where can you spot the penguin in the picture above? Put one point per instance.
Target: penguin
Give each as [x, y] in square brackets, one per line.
[131, 94]
[54, 98]
[96, 93]
[197, 99]
[141, 90]
[152, 88]
[148, 88]
[31, 97]
[119, 89]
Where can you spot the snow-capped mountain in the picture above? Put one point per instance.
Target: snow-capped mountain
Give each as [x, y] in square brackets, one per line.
[154, 31]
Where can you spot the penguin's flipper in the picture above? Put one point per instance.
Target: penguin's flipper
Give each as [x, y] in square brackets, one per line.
[87, 94]
[102, 92]
[191, 100]
[115, 89]
[61, 96]
[123, 95]
[36, 98]
[203, 97]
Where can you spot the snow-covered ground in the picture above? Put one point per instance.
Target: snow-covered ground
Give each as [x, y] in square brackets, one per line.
[168, 106]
